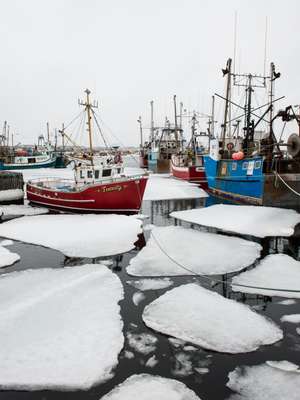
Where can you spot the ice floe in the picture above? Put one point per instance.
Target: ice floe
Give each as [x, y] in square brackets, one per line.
[288, 302]
[292, 318]
[76, 235]
[276, 271]
[20, 209]
[59, 328]
[151, 284]
[205, 318]
[245, 220]
[150, 387]
[11, 194]
[200, 252]
[6, 242]
[143, 343]
[298, 331]
[151, 362]
[167, 188]
[137, 297]
[7, 257]
[263, 382]
[284, 365]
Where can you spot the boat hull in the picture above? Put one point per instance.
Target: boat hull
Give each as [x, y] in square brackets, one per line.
[117, 197]
[256, 187]
[143, 160]
[193, 174]
[18, 166]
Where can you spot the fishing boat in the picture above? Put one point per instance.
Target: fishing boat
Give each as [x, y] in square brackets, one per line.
[100, 184]
[164, 142]
[144, 148]
[12, 157]
[255, 168]
[188, 164]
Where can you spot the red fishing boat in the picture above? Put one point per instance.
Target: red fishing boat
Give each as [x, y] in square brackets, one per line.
[188, 164]
[100, 184]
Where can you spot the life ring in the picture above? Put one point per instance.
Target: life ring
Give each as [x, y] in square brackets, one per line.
[230, 146]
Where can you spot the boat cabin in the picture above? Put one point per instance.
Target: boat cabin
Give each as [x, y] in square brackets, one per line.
[94, 173]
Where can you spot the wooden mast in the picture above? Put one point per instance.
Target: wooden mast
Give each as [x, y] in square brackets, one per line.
[175, 116]
[141, 131]
[48, 133]
[88, 107]
[226, 71]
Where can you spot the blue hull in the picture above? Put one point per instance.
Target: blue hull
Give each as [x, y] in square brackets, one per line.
[48, 164]
[241, 180]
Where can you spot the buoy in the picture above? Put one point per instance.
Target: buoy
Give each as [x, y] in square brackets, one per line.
[239, 155]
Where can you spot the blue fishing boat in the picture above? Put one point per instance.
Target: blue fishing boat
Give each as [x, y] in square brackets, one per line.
[251, 168]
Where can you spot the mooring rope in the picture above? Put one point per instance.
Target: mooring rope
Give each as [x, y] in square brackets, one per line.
[287, 185]
[218, 280]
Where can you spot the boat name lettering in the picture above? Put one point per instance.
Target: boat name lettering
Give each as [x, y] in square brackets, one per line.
[112, 189]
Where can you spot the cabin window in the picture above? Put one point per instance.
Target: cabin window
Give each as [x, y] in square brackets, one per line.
[31, 160]
[118, 170]
[96, 173]
[106, 172]
[257, 164]
[81, 174]
[234, 166]
[245, 165]
[223, 168]
[90, 174]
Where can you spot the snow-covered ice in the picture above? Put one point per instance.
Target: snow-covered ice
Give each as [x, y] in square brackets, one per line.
[292, 318]
[7, 257]
[276, 271]
[151, 284]
[76, 235]
[6, 242]
[263, 382]
[137, 297]
[202, 317]
[298, 331]
[59, 328]
[200, 252]
[167, 188]
[150, 387]
[151, 362]
[284, 365]
[202, 371]
[22, 209]
[288, 302]
[183, 365]
[143, 343]
[245, 220]
[128, 354]
[11, 194]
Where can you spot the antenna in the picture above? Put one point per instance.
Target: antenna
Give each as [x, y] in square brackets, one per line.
[265, 49]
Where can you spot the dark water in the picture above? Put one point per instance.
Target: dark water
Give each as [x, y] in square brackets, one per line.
[208, 386]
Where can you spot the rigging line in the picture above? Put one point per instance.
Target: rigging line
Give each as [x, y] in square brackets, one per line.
[217, 280]
[287, 185]
[122, 144]
[99, 128]
[74, 119]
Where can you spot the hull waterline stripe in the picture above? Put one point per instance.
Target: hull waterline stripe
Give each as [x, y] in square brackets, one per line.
[84, 209]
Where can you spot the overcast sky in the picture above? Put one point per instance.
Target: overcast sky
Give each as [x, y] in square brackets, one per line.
[128, 52]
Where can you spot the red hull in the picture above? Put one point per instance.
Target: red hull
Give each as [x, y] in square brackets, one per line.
[119, 197]
[192, 174]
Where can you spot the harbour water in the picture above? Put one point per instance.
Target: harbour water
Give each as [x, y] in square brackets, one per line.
[204, 371]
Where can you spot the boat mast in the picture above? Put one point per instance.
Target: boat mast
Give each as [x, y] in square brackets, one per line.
[88, 107]
[63, 136]
[141, 131]
[48, 133]
[151, 122]
[175, 115]
[226, 71]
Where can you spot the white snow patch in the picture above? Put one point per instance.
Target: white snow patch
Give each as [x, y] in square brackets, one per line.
[108, 263]
[151, 284]
[167, 188]
[59, 328]
[298, 331]
[6, 242]
[16, 209]
[288, 302]
[150, 387]
[151, 362]
[200, 252]
[143, 343]
[262, 382]
[205, 318]
[283, 365]
[245, 220]
[276, 271]
[11, 194]
[176, 342]
[148, 227]
[292, 318]
[7, 257]
[202, 371]
[138, 297]
[76, 235]
[128, 354]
